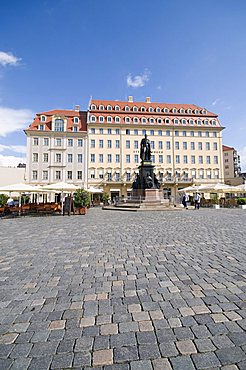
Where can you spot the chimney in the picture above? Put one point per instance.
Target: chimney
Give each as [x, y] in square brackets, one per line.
[77, 108]
[148, 99]
[130, 99]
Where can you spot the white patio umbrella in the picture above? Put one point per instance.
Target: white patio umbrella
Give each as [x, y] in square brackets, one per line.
[189, 189]
[19, 188]
[94, 190]
[240, 188]
[216, 188]
[62, 187]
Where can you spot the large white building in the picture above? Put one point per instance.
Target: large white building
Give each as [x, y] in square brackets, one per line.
[100, 148]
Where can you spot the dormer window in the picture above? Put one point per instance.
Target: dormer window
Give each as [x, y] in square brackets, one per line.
[117, 119]
[176, 121]
[144, 120]
[191, 122]
[93, 107]
[109, 107]
[189, 111]
[135, 109]
[109, 119]
[93, 119]
[135, 120]
[199, 122]
[75, 128]
[101, 107]
[117, 107]
[158, 109]
[159, 120]
[43, 118]
[76, 120]
[182, 111]
[127, 119]
[205, 122]
[183, 121]
[204, 111]
[167, 120]
[127, 109]
[151, 109]
[166, 110]
[101, 119]
[41, 127]
[59, 125]
[143, 109]
[152, 120]
[196, 111]
[213, 122]
[174, 110]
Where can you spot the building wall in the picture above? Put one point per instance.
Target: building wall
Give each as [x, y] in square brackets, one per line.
[231, 163]
[12, 175]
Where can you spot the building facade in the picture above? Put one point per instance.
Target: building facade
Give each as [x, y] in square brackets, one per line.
[186, 142]
[101, 147]
[232, 166]
[57, 148]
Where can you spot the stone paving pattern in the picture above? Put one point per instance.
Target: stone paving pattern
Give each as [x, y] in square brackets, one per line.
[124, 291]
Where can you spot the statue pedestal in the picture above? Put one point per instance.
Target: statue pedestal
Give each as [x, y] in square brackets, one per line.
[153, 195]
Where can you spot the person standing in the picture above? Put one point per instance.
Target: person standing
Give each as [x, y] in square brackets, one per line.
[197, 199]
[185, 199]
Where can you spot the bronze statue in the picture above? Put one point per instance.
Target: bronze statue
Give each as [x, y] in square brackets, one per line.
[145, 150]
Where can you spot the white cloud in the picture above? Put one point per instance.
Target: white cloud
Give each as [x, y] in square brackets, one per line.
[138, 80]
[12, 120]
[8, 59]
[242, 153]
[14, 148]
[216, 101]
[11, 161]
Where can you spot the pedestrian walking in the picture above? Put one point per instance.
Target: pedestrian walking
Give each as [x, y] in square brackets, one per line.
[197, 199]
[185, 199]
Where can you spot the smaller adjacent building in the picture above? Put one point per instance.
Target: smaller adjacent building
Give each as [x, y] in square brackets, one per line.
[232, 167]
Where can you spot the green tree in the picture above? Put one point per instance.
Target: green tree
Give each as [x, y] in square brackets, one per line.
[105, 198]
[81, 198]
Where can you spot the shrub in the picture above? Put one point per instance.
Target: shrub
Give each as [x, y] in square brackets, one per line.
[3, 199]
[81, 198]
[105, 198]
[241, 201]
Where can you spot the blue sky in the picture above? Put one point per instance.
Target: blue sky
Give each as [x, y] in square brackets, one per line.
[58, 53]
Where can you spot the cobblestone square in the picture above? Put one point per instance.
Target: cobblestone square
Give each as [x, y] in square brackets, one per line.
[124, 291]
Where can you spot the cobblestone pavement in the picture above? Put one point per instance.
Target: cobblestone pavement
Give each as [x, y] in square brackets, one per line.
[124, 291]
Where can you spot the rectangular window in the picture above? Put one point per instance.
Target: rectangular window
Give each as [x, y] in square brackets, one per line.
[58, 158]
[117, 144]
[45, 157]
[207, 145]
[159, 132]
[109, 144]
[176, 133]
[193, 159]
[192, 133]
[177, 159]
[109, 158]
[152, 145]
[46, 141]
[80, 158]
[160, 158]
[117, 176]
[128, 176]
[58, 175]
[153, 158]
[216, 161]
[128, 132]
[185, 145]
[93, 143]
[185, 159]
[168, 133]
[75, 129]
[215, 146]
[168, 145]
[110, 176]
[93, 130]
[208, 159]
[135, 144]
[200, 159]
[34, 175]
[199, 133]
[100, 158]
[35, 141]
[143, 132]
[117, 131]
[214, 134]
[207, 134]
[168, 159]
[70, 158]
[176, 145]
[80, 142]
[69, 175]
[59, 125]
[101, 143]
[45, 175]
[70, 142]
[192, 145]
[35, 157]
[160, 145]
[135, 132]
[128, 158]
[152, 132]
[93, 158]
[184, 133]
[57, 142]
[136, 160]
[127, 144]
[117, 158]
[199, 145]
[100, 131]
[79, 175]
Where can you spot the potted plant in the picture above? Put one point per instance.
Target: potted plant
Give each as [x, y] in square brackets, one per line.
[241, 202]
[81, 201]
